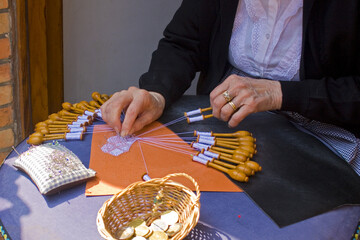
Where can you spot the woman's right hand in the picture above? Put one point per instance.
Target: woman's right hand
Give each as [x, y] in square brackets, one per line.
[141, 108]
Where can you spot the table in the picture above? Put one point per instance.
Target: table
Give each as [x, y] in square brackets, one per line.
[26, 214]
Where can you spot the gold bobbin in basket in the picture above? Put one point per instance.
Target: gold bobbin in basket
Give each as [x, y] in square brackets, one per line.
[137, 201]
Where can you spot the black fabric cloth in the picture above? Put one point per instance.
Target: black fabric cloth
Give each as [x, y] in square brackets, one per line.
[198, 36]
[301, 177]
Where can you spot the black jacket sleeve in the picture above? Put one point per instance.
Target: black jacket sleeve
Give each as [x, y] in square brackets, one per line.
[329, 90]
[330, 100]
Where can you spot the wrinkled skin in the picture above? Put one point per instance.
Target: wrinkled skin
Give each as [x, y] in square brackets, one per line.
[248, 95]
[142, 108]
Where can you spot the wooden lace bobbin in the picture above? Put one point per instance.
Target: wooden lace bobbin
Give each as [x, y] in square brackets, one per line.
[235, 151]
[69, 107]
[93, 115]
[226, 156]
[59, 122]
[104, 97]
[84, 107]
[197, 111]
[198, 118]
[198, 133]
[237, 139]
[200, 146]
[235, 134]
[65, 124]
[199, 138]
[239, 143]
[94, 104]
[40, 124]
[97, 97]
[247, 170]
[66, 113]
[247, 148]
[240, 167]
[85, 117]
[57, 117]
[205, 140]
[145, 177]
[84, 122]
[42, 130]
[251, 164]
[233, 173]
[236, 159]
[36, 139]
[86, 104]
[51, 130]
[68, 130]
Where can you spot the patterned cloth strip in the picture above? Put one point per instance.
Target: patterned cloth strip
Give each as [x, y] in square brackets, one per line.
[356, 235]
[4, 235]
[342, 142]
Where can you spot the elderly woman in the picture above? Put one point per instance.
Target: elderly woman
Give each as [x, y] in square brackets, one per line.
[299, 57]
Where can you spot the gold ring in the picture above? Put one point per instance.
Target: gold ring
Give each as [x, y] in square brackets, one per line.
[227, 97]
[232, 105]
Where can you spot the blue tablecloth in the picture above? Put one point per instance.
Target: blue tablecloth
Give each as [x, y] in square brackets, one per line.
[26, 214]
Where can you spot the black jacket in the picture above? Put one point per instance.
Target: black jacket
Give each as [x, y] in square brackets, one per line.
[197, 39]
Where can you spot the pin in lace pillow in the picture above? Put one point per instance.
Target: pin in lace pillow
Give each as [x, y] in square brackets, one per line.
[53, 167]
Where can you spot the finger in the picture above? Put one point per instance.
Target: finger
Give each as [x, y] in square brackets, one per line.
[134, 110]
[141, 122]
[221, 88]
[227, 111]
[131, 114]
[217, 98]
[112, 109]
[220, 102]
[240, 115]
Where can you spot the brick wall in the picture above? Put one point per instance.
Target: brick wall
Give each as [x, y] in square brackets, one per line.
[7, 124]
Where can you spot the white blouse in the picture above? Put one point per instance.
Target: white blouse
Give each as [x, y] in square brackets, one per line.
[266, 38]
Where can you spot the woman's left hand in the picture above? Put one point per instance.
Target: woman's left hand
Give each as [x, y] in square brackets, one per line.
[245, 96]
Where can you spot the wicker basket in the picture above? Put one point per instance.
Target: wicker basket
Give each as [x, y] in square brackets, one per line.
[137, 201]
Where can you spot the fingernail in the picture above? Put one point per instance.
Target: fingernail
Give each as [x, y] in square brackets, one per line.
[124, 133]
[117, 130]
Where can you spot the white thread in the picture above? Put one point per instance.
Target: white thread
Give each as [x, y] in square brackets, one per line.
[88, 113]
[76, 129]
[200, 155]
[146, 177]
[73, 136]
[199, 160]
[196, 119]
[209, 142]
[193, 112]
[200, 146]
[83, 117]
[211, 154]
[206, 138]
[82, 121]
[197, 133]
[75, 124]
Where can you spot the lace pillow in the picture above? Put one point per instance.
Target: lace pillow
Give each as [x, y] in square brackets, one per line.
[53, 167]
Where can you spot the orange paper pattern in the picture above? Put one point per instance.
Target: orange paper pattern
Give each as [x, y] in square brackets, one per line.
[116, 173]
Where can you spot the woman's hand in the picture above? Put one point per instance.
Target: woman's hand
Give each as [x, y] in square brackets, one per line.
[247, 96]
[141, 108]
